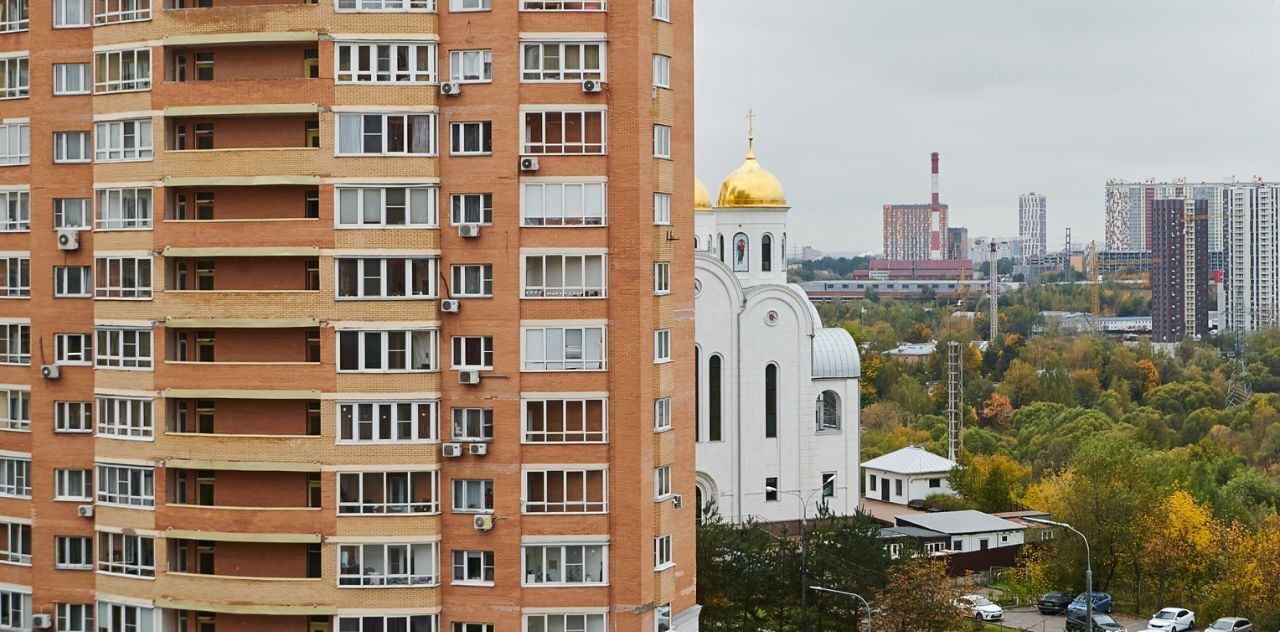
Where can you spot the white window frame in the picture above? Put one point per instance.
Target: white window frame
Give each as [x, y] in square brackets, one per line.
[461, 348]
[68, 482]
[15, 277]
[385, 6]
[15, 477]
[60, 14]
[398, 497]
[459, 59]
[16, 414]
[662, 71]
[829, 477]
[461, 561]
[564, 6]
[72, 147]
[125, 485]
[419, 207]
[471, 424]
[662, 209]
[382, 622]
[17, 550]
[531, 577]
[471, 280]
[133, 618]
[461, 490]
[572, 415]
[63, 74]
[661, 346]
[66, 212]
[558, 147]
[73, 349]
[462, 206]
[137, 549]
[123, 208]
[74, 617]
[15, 609]
[366, 63]
[15, 210]
[564, 204]
[22, 21]
[120, 11]
[361, 422]
[112, 345]
[569, 622]
[15, 144]
[661, 278]
[15, 76]
[574, 491]
[122, 278]
[662, 414]
[377, 270]
[460, 143]
[662, 483]
[565, 286]
[73, 417]
[560, 73]
[429, 337]
[131, 418]
[15, 343]
[69, 549]
[407, 121]
[469, 6]
[662, 553]
[413, 554]
[535, 345]
[662, 142]
[111, 67]
[662, 10]
[112, 141]
[662, 618]
[64, 277]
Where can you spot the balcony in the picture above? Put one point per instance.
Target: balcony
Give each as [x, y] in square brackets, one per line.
[260, 67]
[248, 212]
[209, 286]
[273, 520]
[265, 354]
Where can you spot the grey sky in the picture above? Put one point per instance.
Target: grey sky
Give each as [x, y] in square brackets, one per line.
[1017, 95]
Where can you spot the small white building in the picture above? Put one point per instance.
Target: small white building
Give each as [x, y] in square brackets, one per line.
[777, 394]
[969, 530]
[908, 474]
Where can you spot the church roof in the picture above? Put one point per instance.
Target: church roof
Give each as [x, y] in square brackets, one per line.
[835, 354]
[911, 460]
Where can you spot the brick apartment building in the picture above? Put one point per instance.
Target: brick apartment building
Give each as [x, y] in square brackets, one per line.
[908, 231]
[346, 315]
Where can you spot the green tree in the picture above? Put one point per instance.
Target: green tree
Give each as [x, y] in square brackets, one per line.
[993, 483]
[917, 598]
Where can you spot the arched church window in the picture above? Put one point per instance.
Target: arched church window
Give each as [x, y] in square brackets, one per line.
[827, 412]
[766, 253]
[741, 253]
[771, 401]
[722, 248]
[715, 399]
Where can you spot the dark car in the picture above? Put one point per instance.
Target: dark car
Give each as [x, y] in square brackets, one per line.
[1055, 602]
[1101, 623]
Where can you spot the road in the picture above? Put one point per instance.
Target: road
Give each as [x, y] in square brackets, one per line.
[1030, 619]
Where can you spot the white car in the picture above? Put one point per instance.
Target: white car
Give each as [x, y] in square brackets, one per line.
[979, 607]
[1173, 619]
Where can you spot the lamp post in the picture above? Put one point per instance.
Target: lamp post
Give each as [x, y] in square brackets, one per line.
[848, 594]
[1088, 566]
[804, 547]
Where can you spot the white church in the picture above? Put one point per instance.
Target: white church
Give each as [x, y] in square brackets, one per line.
[777, 394]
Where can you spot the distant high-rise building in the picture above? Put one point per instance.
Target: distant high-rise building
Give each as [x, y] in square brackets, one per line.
[1129, 206]
[1032, 216]
[908, 231]
[1179, 269]
[957, 243]
[1253, 249]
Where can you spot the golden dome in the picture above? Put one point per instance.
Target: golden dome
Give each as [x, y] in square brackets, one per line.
[701, 198]
[751, 186]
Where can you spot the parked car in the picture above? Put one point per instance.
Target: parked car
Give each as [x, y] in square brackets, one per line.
[1231, 624]
[979, 607]
[1101, 623]
[1101, 603]
[1173, 619]
[1055, 602]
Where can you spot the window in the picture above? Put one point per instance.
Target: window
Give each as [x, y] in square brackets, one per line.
[386, 134]
[661, 483]
[935, 483]
[471, 66]
[766, 253]
[472, 496]
[113, 11]
[15, 477]
[661, 141]
[72, 349]
[72, 213]
[661, 278]
[771, 401]
[15, 211]
[562, 5]
[120, 141]
[15, 543]
[385, 62]
[566, 421]
[14, 16]
[564, 133]
[15, 610]
[564, 276]
[564, 349]
[124, 209]
[204, 66]
[70, 13]
[387, 351]
[15, 277]
[662, 10]
[386, 422]
[662, 553]
[387, 493]
[73, 553]
[473, 567]
[386, 207]
[15, 75]
[563, 203]
[897, 487]
[117, 617]
[472, 627]
[469, 5]
[407, 623]
[71, 147]
[662, 618]
[471, 208]
[73, 485]
[127, 486]
[124, 554]
[122, 70]
[75, 617]
[472, 424]
[387, 564]
[122, 278]
[827, 411]
[564, 622]
[386, 278]
[661, 346]
[662, 414]
[472, 353]
[566, 491]
[661, 71]
[565, 564]
[563, 61]
[15, 144]
[828, 484]
[662, 208]
[471, 281]
[125, 417]
[934, 547]
[471, 138]
[16, 413]
[386, 5]
[771, 489]
[871, 482]
[15, 344]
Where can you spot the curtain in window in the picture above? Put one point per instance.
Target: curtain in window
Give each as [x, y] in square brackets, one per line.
[349, 132]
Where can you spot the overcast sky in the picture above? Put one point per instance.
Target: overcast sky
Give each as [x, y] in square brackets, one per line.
[1017, 95]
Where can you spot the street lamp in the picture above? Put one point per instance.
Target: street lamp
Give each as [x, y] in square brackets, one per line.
[848, 594]
[804, 547]
[1088, 566]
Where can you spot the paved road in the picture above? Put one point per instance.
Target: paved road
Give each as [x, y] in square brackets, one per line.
[1031, 619]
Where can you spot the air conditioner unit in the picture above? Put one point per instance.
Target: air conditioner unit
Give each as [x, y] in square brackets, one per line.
[468, 377]
[677, 501]
[41, 621]
[592, 85]
[478, 449]
[451, 450]
[468, 231]
[68, 239]
[451, 88]
[450, 306]
[482, 522]
[528, 163]
[50, 371]
[85, 511]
